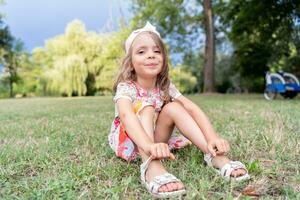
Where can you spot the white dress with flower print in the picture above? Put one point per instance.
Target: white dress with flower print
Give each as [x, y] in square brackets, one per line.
[119, 141]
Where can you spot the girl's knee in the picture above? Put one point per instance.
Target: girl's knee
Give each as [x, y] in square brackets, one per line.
[171, 108]
[147, 110]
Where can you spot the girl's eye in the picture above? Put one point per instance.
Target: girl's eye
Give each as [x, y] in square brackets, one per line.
[157, 51]
[140, 52]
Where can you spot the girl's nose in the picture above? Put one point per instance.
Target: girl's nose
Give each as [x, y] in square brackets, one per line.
[151, 54]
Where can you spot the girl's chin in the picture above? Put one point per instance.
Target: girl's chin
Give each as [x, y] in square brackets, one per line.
[150, 75]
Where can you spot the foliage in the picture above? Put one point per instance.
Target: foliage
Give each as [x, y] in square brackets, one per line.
[261, 32]
[193, 62]
[80, 62]
[11, 50]
[180, 23]
[6, 38]
[261, 36]
[111, 58]
[225, 76]
[183, 79]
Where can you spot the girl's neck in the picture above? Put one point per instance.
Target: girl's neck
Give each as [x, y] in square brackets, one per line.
[146, 84]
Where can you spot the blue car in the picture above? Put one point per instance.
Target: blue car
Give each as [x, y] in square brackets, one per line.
[283, 83]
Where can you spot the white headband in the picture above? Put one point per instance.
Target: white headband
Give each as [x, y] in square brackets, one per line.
[132, 36]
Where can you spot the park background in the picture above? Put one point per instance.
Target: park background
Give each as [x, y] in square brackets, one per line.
[53, 140]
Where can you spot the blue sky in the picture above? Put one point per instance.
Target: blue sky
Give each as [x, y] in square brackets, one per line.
[34, 21]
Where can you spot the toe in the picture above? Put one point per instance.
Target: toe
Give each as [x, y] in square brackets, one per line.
[163, 189]
[175, 186]
[166, 188]
[180, 186]
[242, 172]
[170, 187]
[238, 172]
[234, 173]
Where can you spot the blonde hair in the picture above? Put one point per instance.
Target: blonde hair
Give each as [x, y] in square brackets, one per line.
[127, 73]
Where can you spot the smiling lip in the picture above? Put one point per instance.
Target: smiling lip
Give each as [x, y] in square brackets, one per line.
[152, 64]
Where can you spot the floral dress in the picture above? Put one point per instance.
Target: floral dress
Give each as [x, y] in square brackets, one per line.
[119, 141]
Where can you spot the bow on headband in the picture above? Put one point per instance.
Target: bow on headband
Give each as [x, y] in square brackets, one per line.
[134, 34]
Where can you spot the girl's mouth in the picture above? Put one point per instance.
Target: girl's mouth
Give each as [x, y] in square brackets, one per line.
[152, 65]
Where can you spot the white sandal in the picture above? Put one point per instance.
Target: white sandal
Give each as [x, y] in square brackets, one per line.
[158, 181]
[227, 169]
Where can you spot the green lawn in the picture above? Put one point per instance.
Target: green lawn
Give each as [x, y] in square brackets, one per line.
[57, 148]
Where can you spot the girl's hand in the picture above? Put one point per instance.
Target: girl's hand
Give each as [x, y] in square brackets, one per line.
[160, 151]
[219, 146]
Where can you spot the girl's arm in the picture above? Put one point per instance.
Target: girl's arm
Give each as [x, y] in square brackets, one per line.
[215, 144]
[137, 133]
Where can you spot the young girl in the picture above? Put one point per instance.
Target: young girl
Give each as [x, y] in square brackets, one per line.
[148, 107]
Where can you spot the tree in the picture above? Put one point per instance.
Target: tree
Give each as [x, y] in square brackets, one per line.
[261, 33]
[11, 61]
[209, 57]
[6, 39]
[180, 23]
[80, 63]
[10, 52]
[183, 79]
[70, 59]
[30, 83]
[111, 58]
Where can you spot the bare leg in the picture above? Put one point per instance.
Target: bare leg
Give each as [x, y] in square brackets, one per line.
[155, 168]
[175, 114]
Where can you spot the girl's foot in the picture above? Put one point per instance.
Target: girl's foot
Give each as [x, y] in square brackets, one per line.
[230, 170]
[155, 169]
[220, 161]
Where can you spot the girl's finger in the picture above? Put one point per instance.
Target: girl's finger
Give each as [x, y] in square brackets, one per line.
[152, 157]
[172, 157]
[223, 146]
[159, 151]
[153, 153]
[220, 147]
[211, 150]
[166, 151]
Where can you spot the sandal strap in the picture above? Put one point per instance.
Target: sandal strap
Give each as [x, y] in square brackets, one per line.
[161, 180]
[143, 168]
[208, 159]
[158, 181]
[227, 169]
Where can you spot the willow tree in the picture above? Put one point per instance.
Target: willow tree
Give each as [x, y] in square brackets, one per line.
[111, 57]
[80, 62]
[72, 60]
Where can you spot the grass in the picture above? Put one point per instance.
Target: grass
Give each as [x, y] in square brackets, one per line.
[57, 148]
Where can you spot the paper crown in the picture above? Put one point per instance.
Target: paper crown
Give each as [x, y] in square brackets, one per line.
[135, 33]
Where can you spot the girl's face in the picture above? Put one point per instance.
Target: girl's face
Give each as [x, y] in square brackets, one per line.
[147, 58]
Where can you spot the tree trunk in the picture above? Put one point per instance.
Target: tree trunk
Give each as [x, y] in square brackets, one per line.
[209, 57]
[10, 87]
